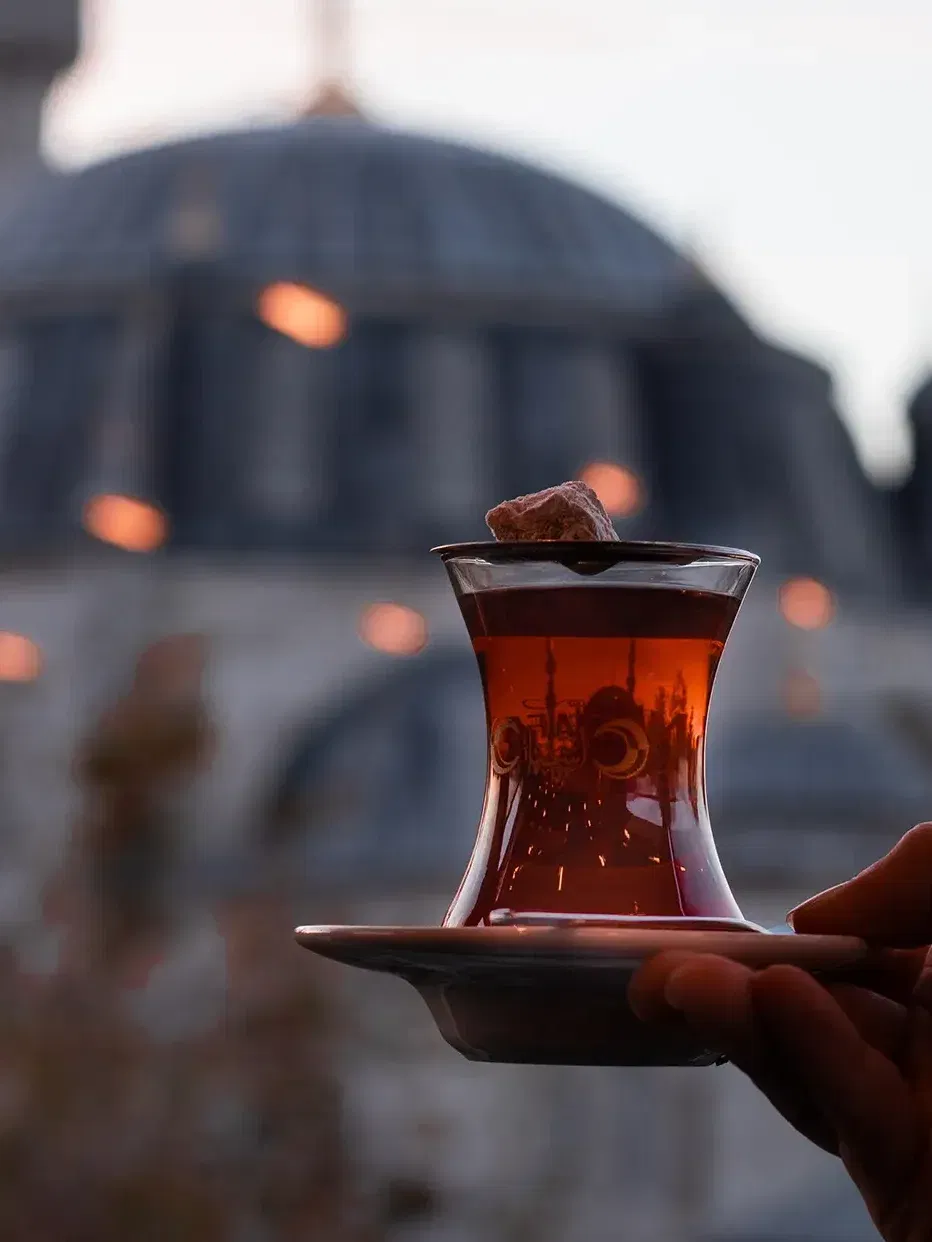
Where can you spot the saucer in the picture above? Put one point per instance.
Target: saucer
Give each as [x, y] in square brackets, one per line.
[557, 995]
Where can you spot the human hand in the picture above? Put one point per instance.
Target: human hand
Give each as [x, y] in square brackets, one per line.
[848, 1066]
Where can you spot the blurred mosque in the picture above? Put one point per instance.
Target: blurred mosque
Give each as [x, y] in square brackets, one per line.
[247, 380]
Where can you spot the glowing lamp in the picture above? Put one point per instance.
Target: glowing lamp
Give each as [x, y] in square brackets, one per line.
[618, 488]
[806, 604]
[394, 629]
[302, 314]
[125, 523]
[20, 658]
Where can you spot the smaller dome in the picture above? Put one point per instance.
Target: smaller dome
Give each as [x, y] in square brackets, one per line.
[417, 737]
[821, 798]
[811, 769]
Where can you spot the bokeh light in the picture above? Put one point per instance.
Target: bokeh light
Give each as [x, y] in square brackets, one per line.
[802, 694]
[302, 314]
[806, 603]
[394, 629]
[619, 489]
[126, 523]
[20, 658]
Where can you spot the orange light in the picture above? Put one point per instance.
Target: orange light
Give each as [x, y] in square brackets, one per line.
[802, 695]
[303, 315]
[619, 489]
[394, 629]
[20, 658]
[126, 523]
[807, 604]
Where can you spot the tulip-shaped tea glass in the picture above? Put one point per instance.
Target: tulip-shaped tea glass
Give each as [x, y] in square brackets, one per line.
[594, 849]
[597, 663]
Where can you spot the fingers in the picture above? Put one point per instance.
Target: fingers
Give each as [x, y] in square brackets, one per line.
[890, 903]
[714, 997]
[646, 989]
[881, 1022]
[826, 1058]
[855, 1087]
[890, 972]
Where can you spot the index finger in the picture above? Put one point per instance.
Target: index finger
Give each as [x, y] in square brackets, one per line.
[888, 904]
[714, 995]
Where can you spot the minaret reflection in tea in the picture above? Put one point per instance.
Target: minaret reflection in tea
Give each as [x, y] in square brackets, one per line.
[596, 700]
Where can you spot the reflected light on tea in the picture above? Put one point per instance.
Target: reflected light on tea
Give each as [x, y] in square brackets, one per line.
[807, 604]
[126, 523]
[618, 488]
[394, 629]
[300, 313]
[20, 659]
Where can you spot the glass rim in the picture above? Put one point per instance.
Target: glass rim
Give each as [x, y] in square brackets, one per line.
[561, 551]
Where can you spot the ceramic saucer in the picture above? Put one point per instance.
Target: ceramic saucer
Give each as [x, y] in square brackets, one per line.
[557, 995]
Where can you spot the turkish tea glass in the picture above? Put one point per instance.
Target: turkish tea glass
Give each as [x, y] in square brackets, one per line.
[597, 663]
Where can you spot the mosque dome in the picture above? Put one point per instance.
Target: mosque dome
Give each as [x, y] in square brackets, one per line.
[425, 765]
[471, 301]
[333, 337]
[348, 206]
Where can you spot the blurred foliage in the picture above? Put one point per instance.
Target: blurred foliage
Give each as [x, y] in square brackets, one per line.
[109, 1131]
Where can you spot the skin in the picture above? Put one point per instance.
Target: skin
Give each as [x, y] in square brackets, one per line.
[848, 1066]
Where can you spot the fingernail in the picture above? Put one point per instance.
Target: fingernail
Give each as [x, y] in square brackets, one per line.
[812, 903]
[803, 905]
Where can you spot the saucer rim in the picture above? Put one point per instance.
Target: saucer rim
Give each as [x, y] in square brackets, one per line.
[586, 947]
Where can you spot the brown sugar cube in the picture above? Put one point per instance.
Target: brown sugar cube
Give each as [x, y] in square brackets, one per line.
[571, 511]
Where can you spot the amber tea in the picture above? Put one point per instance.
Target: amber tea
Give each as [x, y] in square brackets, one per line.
[597, 698]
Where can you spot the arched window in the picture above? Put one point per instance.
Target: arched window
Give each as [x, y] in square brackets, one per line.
[374, 477]
[387, 790]
[535, 396]
[451, 431]
[292, 416]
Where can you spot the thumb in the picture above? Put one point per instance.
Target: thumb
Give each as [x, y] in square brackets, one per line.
[888, 904]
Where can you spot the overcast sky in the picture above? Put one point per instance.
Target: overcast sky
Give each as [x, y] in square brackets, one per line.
[785, 139]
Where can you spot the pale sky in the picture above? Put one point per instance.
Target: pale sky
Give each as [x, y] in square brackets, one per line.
[785, 139]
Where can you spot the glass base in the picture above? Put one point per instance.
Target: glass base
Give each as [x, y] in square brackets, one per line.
[511, 918]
